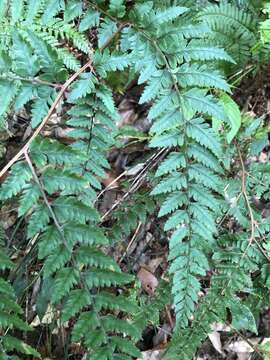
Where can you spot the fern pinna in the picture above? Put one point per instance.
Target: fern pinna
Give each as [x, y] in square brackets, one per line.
[170, 46]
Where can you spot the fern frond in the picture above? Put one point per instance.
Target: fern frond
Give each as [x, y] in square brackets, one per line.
[52, 8]
[106, 30]
[10, 313]
[195, 51]
[82, 87]
[194, 167]
[233, 28]
[10, 90]
[198, 100]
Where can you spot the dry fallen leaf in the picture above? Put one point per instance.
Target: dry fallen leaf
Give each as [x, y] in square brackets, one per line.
[153, 355]
[110, 180]
[241, 348]
[263, 157]
[244, 349]
[214, 336]
[218, 326]
[153, 264]
[216, 342]
[127, 114]
[162, 336]
[7, 216]
[148, 280]
[47, 318]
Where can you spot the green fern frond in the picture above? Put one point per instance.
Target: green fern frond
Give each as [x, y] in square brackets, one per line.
[106, 30]
[233, 28]
[11, 313]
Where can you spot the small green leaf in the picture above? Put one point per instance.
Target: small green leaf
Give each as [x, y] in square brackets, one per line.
[266, 348]
[72, 10]
[117, 8]
[85, 85]
[258, 145]
[242, 317]
[90, 19]
[233, 113]
[106, 30]
[11, 343]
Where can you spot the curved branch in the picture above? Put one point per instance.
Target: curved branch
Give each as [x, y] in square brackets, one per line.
[46, 118]
[65, 86]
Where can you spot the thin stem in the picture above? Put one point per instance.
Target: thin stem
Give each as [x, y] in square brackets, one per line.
[109, 187]
[61, 232]
[131, 241]
[58, 98]
[151, 163]
[41, 188]
[25, 148]
[30, 80]
[244, 192]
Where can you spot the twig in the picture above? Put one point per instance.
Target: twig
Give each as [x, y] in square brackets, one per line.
[25, 148]
[40, 185]
[30, 80]
[244, 192]
[168, 312]
[109, 187]
[131, 241]
[150, 163]
[55, 103]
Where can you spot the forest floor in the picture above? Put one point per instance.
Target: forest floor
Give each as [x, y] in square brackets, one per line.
[144, 251]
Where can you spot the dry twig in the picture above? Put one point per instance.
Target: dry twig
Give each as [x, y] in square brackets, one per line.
[25, 148]
[244, 192]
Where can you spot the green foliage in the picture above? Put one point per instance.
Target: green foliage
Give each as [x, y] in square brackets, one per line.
[236, 257]
[178, 53]
[233, 28]
[192, 175]
[10, 312]
[264, 26]
[32, 56]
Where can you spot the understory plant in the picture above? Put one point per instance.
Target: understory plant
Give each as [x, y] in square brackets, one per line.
[57, 60]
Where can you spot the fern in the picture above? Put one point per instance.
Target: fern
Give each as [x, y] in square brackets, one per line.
[177, 52]
[192, 216]
[72, 237]
[236, 256]
[234, 28]
[10, 312]
[189, 244]
[33, 56]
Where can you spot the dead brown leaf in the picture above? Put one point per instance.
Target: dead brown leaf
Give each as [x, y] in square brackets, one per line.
[162, 336]
[153, 355]
[110, 180]
[154, 263]
[148, 280]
